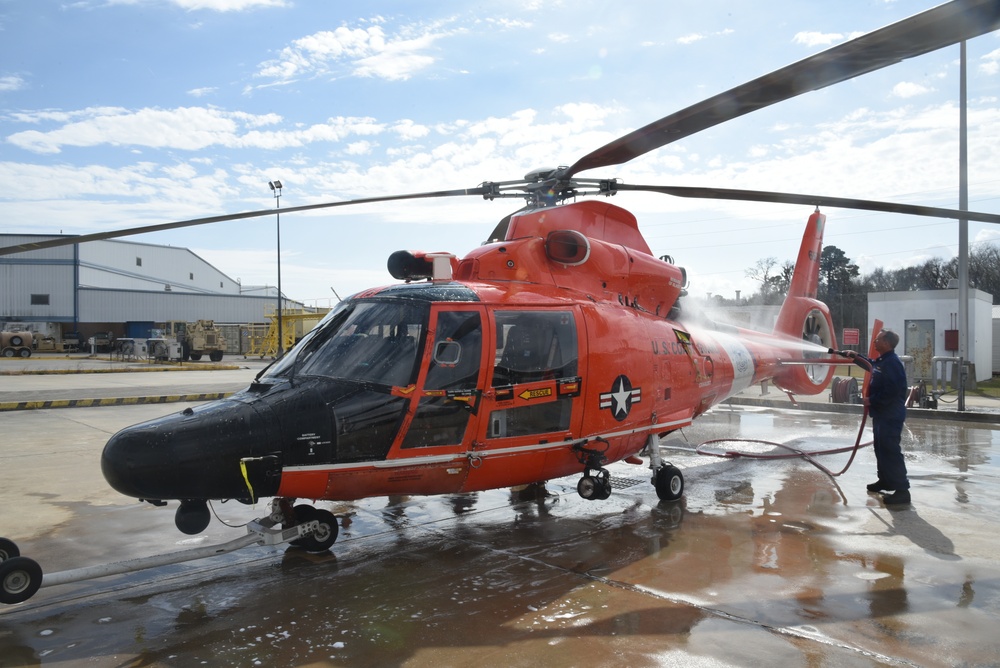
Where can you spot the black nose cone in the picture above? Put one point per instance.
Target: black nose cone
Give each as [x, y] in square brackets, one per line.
[195, 454]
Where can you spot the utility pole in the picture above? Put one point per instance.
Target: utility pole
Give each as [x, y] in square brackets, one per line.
[963, 230]
[276, 189]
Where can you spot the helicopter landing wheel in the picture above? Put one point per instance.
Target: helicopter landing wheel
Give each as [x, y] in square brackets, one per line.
[595, 488]
[669, 483]
[8, 550]
[324, 537]
[20, 578]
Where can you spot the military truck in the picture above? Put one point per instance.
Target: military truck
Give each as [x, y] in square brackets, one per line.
[197, 338]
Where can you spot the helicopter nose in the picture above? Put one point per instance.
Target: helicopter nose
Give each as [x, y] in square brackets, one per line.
[209, 452]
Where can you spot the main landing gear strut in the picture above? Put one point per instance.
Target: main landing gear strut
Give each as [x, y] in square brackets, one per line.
[667, 478]
[312, 529]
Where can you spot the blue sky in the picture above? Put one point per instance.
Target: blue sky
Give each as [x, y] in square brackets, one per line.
[116, 113]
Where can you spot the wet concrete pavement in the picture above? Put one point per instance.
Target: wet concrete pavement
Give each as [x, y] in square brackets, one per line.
[762, 562]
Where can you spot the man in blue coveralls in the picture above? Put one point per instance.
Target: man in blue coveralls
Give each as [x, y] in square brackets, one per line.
[886, 403]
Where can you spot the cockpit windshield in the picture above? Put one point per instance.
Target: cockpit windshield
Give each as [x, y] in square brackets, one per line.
[372, 342]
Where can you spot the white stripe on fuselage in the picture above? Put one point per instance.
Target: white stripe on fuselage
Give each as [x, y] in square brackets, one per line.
[740, 358]
[482, 454]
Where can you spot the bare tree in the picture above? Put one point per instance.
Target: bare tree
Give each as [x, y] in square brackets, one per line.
[762, 273]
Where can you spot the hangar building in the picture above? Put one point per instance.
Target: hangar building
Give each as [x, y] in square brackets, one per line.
[121, 287]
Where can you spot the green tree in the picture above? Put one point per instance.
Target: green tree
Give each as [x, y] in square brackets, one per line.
[836, 271]
[840, 287]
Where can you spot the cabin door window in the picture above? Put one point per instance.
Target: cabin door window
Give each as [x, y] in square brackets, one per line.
[535, 372]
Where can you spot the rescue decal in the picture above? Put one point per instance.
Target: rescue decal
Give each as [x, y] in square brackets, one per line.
[621, 397]
[540, 393]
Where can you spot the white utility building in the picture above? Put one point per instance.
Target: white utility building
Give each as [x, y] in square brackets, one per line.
[927, 324]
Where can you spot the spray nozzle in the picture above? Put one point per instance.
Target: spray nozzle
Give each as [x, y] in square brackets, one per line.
[842, 353]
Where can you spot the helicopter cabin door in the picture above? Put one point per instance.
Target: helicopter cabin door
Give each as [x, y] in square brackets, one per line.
[531, 402]
[447, 392]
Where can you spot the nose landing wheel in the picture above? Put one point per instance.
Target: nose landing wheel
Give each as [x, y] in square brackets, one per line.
[323, 537]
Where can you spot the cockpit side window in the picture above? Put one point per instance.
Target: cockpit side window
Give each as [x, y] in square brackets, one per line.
[449, 390]
[376, 343]
[455, 360]
[311, 342]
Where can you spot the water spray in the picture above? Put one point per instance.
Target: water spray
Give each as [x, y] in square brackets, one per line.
[796, 452]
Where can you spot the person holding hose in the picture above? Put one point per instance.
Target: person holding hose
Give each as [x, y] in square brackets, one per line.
[886, 402]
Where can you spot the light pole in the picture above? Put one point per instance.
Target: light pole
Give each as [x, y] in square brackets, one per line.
[276, 189]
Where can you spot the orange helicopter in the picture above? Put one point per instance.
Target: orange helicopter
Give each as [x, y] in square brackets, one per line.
[558, 347]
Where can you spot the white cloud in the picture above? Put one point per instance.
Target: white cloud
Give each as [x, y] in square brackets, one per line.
[82, 197]
[202, 92]
[392, 65]
[184, 128]
[228, 5]
[194, 5]
[461, 153]
[366, 52]
[407, 129]
[987, 236]
[905, 89]
[509, 23]
[359, 148]
[991, 63]
[697, 37]
[299, 276]
[812, 38]
[11, 83]
[690, 39]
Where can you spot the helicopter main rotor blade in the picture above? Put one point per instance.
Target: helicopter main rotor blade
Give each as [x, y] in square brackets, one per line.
[925, 32]
[114, 234]
[812, 200]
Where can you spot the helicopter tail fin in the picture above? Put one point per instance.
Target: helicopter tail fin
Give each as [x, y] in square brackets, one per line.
[803, 317]
[805, 279]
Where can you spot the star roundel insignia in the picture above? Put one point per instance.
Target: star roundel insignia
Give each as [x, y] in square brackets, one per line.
[621, 397]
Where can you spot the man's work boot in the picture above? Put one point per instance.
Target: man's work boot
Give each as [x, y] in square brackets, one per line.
[898, 498]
